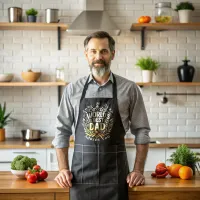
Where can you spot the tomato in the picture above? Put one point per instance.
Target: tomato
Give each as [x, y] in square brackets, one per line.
[32, 178]
[162, 175]
[153, 174]
[38, 175]
[43, 175]
[144, 19]
[160, 170]
[160, 165]
[36, 167]
[27, 173]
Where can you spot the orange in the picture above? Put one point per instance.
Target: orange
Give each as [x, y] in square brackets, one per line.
[173, 170]
[185, 172]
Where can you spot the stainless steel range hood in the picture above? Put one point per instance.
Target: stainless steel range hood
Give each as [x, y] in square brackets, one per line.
[92, 19]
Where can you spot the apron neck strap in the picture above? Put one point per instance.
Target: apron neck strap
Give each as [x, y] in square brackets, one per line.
[114, 88]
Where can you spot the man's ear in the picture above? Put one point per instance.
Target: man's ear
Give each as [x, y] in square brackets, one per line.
[86, 54]
[113, 54]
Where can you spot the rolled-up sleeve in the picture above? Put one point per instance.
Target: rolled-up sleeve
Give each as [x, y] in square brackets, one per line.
[139, 124]
[65, 120]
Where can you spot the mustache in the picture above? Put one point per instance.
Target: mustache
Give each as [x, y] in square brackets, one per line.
[99, 62]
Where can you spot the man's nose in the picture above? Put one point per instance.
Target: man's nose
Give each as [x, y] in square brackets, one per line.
[98, 55]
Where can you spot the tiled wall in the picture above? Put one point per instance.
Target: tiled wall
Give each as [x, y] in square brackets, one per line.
[36, 107]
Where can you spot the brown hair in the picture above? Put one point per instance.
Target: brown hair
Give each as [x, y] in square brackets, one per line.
[100, 34]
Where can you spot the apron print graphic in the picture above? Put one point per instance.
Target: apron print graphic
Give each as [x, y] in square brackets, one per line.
[98, 122]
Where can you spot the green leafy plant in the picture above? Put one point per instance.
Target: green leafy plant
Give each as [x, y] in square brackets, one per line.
[32, 11]
[184, 6]
[23, 163]
[147, 64]
[4, 118]
[184, 156]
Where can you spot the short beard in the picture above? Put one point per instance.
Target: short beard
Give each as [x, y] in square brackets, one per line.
[100, 71]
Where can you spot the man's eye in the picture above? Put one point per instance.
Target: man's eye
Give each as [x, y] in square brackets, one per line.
[104, 51]
[92, 52]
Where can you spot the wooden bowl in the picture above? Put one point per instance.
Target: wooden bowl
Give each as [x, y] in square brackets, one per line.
[30, 76]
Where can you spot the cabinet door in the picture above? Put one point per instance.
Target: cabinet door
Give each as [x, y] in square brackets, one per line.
[6, 157]
[153, 158]
[52, 163]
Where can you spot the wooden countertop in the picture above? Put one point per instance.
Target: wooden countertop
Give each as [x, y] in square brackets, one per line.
[168, 184]
[11, 184]
[45, 143]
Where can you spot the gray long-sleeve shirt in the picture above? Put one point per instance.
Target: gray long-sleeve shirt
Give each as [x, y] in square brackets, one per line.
[130, 103]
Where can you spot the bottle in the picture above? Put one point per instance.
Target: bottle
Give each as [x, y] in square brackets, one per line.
[163, 12]
[60, 74]
[185, 71]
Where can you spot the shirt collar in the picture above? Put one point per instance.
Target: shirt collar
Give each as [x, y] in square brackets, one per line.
[109, 79]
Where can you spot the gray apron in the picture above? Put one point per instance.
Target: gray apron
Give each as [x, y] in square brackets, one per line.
[99, 164]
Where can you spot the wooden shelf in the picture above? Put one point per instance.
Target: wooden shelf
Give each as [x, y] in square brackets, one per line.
[169, 84]
[22, 84]
[161, 27]
[165, 26]
[32, 26]
[35, 26]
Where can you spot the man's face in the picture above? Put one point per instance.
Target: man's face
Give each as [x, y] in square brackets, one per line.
[99, 56]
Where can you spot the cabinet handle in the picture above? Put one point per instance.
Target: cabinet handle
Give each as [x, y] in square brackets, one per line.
[5, 161]
[51, 157]
[24, 152]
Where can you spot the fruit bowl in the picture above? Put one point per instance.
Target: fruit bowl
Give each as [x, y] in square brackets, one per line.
[6, 77]
[19, 173]
[30, 76]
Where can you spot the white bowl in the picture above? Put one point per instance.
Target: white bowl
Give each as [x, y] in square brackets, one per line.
[6, 77]
[19, 173]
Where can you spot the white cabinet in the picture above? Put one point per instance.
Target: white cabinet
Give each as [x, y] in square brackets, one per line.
[155, 155]
[7, 155]
[52, 163]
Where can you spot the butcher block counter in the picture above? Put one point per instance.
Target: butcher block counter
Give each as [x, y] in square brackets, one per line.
[12, 188]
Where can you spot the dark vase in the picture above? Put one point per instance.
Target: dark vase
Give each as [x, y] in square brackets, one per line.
[185, 72]
[31, 18]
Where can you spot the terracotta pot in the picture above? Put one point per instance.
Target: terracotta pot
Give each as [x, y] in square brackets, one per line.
[2, 134]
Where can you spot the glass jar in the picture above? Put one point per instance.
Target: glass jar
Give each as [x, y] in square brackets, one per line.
[163, 12]
[60, 74]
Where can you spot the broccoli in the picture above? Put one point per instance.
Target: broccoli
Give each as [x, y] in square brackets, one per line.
[33, 162]
[23, 163]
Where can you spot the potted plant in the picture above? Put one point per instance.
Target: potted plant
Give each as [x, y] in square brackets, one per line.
[31, 15]
[184, 156]
[4, 120]
[148, 66]
[184, 11]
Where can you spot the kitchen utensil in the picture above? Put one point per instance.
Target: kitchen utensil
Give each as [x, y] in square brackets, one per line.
[6, 77]
[32, 135]
[15, 14]
[31, 76]
[52, 15]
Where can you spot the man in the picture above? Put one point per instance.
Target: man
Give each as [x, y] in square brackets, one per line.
[102, 107]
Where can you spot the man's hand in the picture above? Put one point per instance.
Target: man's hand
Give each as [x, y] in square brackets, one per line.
[135, 178]
[64, 178]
